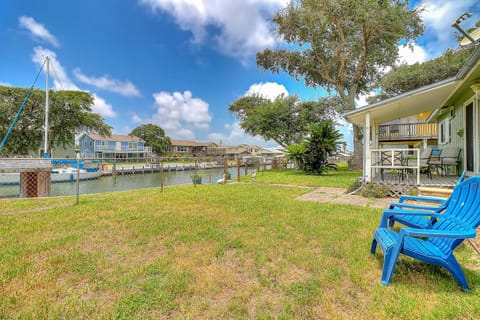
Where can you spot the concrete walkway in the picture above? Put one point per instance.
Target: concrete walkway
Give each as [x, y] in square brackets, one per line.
[338, 195]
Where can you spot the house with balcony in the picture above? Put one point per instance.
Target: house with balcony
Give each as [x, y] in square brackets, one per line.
[193, 148]
[451, 105]
[114, 147]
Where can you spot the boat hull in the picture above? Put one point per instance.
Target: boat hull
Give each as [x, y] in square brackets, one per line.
[14, 178]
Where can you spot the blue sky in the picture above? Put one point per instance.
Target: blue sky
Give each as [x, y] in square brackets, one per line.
[175, 63]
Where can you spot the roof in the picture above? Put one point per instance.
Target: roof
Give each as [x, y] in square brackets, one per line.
[412, 102]
[189, 143]
[427, 98]
[15, 165]
[115, 137]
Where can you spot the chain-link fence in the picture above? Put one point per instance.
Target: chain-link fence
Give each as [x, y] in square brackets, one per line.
[63, 177]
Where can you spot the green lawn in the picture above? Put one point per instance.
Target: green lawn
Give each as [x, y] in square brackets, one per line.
[236, 251]
[343, 178]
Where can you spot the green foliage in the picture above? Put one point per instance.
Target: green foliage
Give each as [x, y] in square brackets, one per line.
[341, 45]
[296, 152]
[154, 136]
[406, 78]
[373, 190]
[69, 113]
[283, 120]
[323, 141]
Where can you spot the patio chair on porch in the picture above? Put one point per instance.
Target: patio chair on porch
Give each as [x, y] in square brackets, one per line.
[425, 161]
[437, 244]
[448, 157]
[435, 160]
[389, 159]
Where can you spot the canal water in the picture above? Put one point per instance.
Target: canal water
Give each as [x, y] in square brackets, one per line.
[129, 182]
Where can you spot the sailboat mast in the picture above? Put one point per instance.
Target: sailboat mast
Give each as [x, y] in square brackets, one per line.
[45, 146]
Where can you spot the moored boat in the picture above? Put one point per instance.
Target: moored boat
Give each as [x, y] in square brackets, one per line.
[66, 174]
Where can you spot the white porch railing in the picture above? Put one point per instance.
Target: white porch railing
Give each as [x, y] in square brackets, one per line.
[394, 159]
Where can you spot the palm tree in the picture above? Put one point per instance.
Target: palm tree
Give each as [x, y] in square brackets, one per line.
[323, 141]
[296, 152]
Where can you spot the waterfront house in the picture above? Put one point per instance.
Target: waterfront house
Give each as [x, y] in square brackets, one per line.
[118, 147]
[452, 104]
[192, 148]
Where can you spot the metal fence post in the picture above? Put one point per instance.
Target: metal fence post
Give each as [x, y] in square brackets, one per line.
[78, 178]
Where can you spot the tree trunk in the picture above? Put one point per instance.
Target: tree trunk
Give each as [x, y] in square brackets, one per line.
[357, 160]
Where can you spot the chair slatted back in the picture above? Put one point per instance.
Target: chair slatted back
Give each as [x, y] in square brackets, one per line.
[462, 213]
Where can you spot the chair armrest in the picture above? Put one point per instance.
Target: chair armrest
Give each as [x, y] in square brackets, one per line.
[460, 234]
[388, 213]
[421, 198]
[399, 205]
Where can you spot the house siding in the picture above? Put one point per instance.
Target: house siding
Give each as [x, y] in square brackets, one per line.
[457, 123]
[111, 148]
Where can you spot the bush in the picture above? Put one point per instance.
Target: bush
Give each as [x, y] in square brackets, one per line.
[373, 190]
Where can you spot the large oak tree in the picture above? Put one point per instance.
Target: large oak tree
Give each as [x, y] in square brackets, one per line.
[341, 45]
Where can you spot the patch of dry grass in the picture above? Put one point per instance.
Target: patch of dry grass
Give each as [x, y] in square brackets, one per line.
[211, 252]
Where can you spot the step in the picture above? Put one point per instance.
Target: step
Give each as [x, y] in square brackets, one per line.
[438, 192]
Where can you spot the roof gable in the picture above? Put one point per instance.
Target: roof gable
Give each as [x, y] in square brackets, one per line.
[430, 97]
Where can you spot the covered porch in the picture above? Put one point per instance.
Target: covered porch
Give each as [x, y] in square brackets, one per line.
[403, 171]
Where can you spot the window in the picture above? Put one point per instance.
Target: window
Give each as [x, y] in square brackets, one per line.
[181, 148]
[132, 145]
[444, 131]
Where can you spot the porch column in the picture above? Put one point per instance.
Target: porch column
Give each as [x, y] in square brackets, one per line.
[374, 145]
[367, 171]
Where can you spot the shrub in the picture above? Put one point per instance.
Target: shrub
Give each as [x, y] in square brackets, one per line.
[373, 190]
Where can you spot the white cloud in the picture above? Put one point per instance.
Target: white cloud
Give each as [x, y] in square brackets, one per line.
[125, 88]
[438, 17]
[179, 114]
[38, 30]
[5, 84]
[103, 108]
[57, 71]
[236, 136]
[268, 90]
[61, 80]
[136, 118]
[242, 27]
[409, 56]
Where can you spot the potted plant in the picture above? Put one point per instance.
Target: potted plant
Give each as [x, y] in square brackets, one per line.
[197, 178]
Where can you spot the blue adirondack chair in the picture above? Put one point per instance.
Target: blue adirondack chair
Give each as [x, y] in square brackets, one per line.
[434, 245]
[420, 221]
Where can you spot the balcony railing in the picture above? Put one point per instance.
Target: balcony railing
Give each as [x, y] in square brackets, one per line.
[407, 131]
[122, 149]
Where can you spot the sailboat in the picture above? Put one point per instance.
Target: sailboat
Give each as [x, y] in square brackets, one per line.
[58, 174]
